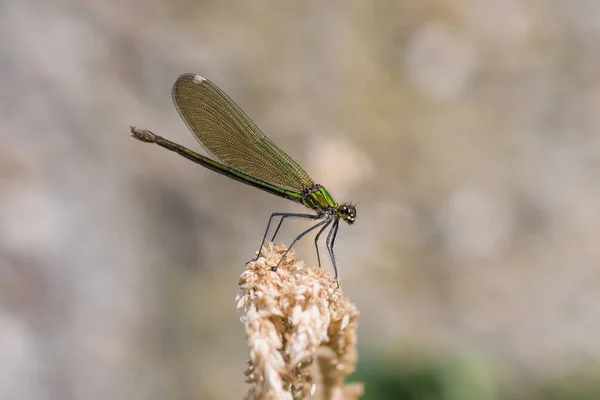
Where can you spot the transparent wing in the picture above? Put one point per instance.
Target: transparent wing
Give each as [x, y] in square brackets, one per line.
[227, 133]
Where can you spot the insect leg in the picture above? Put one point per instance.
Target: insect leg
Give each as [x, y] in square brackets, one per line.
[300, 236]
[329, 243]
[283, 216]
[317, 241]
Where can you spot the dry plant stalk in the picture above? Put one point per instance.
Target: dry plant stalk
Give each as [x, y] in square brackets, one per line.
[301, 330]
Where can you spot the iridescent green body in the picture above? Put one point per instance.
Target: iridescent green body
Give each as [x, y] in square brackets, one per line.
[243, 153]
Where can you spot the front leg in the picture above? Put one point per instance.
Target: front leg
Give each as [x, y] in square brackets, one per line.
[329, 244]
[317, 241]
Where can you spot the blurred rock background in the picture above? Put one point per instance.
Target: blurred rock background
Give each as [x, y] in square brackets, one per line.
[467, 131]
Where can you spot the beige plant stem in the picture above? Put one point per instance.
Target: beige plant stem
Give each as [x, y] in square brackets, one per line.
[300, 328]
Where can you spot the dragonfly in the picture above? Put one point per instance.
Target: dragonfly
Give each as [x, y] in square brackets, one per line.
[242, 152]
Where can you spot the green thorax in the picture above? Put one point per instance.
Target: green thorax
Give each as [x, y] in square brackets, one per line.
[319, 199]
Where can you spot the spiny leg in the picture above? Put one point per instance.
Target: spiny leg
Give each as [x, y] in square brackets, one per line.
[329, 244]
[337, 225]
[283, 216]
[300, 236]
[277, 229]
[317, 240]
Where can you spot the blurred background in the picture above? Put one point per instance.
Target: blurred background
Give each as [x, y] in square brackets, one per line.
[466, 131]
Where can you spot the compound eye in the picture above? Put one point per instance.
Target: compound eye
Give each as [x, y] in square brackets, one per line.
[344, 209]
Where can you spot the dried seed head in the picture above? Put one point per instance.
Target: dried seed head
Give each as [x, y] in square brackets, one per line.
[300, 328]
